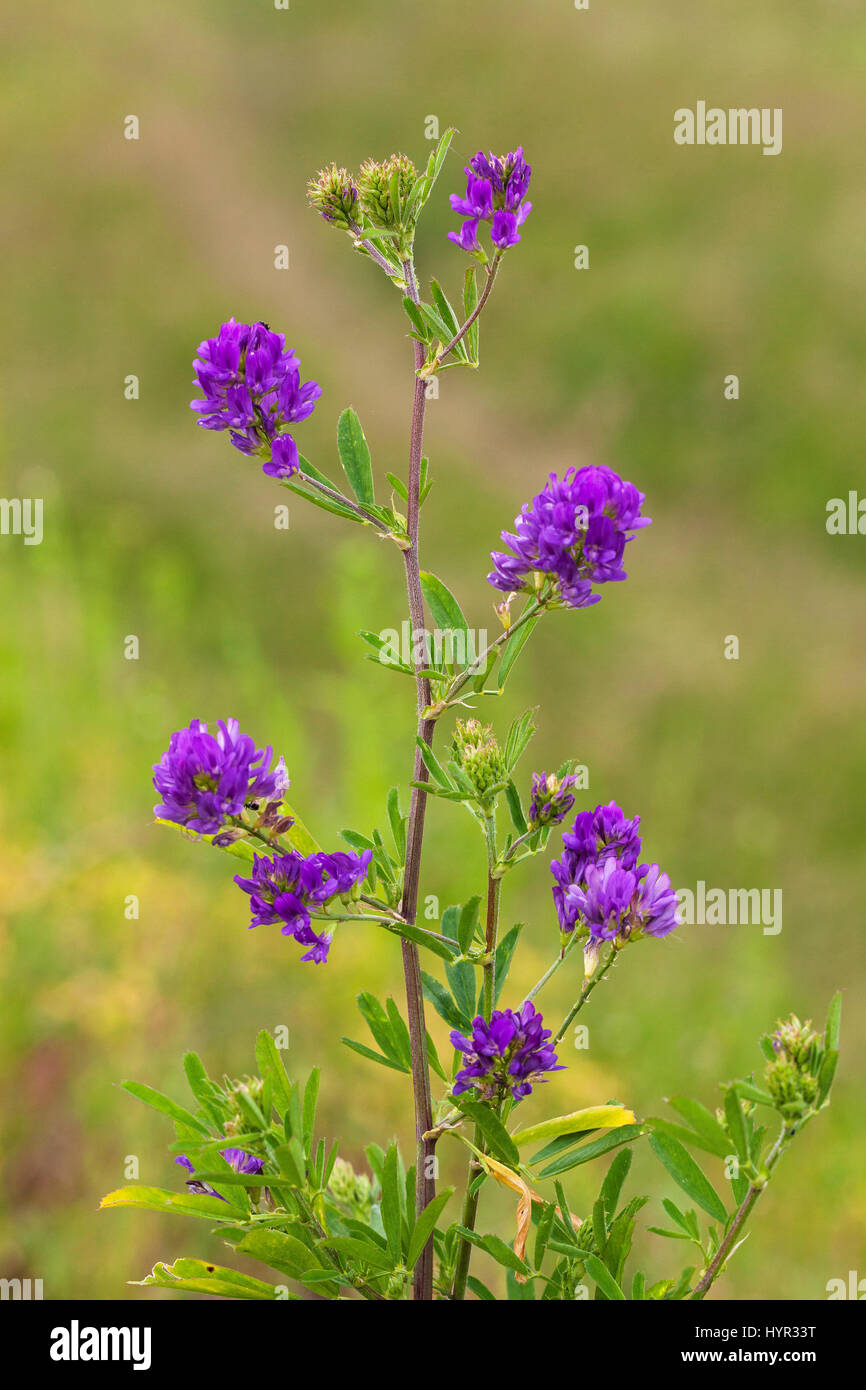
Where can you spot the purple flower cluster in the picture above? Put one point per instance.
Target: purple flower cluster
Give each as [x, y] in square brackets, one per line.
[252, 388]
[508, 1053]
[600, 887]
[496, 187]
[551, 798]
[236, 1158]
[574, 530]
[206, 779]
[285, 888]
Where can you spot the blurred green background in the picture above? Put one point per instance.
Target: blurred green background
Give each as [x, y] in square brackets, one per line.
[120, 256]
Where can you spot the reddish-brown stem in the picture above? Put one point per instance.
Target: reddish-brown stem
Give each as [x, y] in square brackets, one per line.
[425, 1184]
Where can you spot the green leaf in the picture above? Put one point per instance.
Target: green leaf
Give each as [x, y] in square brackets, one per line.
[391, 1207]
[461, 978]
[355, 456]
[311, 1096]
[518, 738]
[687, 1175]
[425, 1225]
[593, 1117]
[603, 1278]
[437, 995]
[829, 1063]
[736, 1124]
[195, 1276]
[703, 1123]
[515, 807]
[183, 1203]
[434, 767]
[286, 1254]
[424, 187]
[417, 318]
[747, 1091]
[513, 647]
[834, 1023]
[363, 1250]
[162, 1103]
[443, 606]
[613, 1183]
[467, 923]
[470, 303]
[398, 824]
[686, 1136]
[441, 946]
[585, 1152]
[499, 1141]
[364, 1051]
[270, 1064]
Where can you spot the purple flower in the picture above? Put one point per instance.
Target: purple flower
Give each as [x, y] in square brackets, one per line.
[601, 888]
[509, 1053]
[236, 1158]
[495, 189]
[655, 906]
[551, 798]
[206, 779]
[285, 889]
[604, 899]
[574, 531]
[252, 387]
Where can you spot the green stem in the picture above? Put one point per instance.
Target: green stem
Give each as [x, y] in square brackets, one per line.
[461, 332]
[551, 970]
[470, 1201]
[589, 986]
[532, 608]
[744, 1210]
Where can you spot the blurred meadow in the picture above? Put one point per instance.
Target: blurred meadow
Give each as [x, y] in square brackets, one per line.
[120, 256]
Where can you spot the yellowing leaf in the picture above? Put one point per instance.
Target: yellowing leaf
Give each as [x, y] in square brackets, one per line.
[594, 1117]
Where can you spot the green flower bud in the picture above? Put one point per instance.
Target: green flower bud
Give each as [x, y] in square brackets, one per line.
[377, 184]
[351, 1189]
[791, 1078]
[476, 751]
[334, 194]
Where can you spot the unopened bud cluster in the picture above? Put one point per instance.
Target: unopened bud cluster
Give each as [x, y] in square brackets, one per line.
[334, 194]
[792, 1078]
[351, 1189]
[476, 751]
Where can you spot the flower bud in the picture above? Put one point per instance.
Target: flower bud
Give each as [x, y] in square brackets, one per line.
[334, 195]
[352, 1189]
[376, 182]
[791, 1078]
[476, 751]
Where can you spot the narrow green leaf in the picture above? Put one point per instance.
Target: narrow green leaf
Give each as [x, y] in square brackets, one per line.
[364, 1051]
[467, 923]
[687, 1175]
[444, 607]
[603, 1278]
[613, 1182]
[500, 1142]
[703, 1122]
[585, 1152]
[162, 1103]
[355, 456]
[513, 647]
[437, 995]
[736, 1124]
[392, 1215]
[425, 1225]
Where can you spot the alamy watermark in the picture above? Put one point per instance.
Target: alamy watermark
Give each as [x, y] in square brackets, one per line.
[738, 125]
[405, 648]
[731, 907]
[22, 516]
